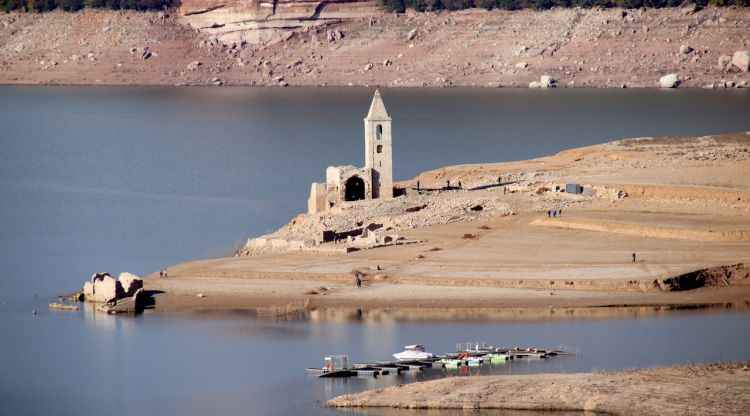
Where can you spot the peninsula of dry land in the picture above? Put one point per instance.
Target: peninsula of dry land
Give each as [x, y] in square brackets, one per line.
[203, 44]
[682, 204]
[711, 389]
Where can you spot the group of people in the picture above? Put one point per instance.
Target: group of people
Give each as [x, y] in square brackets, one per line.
[163, 273]
[553, 213]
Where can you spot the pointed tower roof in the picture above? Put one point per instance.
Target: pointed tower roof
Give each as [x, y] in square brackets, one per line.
[377, 108]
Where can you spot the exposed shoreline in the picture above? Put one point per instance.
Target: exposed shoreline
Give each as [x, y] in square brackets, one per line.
[690, 229]
[594, 48]
[706, 389]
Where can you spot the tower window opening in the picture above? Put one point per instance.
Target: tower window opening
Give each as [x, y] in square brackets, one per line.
[379, 149]
[378, 132]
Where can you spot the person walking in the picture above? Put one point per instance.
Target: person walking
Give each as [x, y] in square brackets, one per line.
[357, 281]
[554, 213]
[549, 213]
[559, 212]
[161, 273]
[634, 257]
[165, 272]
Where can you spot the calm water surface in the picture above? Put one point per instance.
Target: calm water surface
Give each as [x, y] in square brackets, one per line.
[68, 363]
[116, 179]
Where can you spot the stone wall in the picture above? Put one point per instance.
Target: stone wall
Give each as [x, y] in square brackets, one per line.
[336, 177]
[317, 201]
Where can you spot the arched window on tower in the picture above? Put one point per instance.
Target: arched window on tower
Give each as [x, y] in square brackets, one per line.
[378, 132]
[379, 149]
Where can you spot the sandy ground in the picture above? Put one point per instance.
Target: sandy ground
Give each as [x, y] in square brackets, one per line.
[675, 223]
[576, 47]
[713, 389]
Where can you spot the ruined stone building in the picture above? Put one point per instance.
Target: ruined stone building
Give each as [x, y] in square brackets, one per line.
[350, 183]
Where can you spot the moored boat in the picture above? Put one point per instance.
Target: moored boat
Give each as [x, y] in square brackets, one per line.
[471, 360]
[497, 357]
[414, 352]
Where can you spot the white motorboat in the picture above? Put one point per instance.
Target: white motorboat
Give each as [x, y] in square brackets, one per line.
[413, 352]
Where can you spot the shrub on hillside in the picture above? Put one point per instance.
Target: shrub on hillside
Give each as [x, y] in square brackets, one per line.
[75, 5]
[388, 5]
[392, 5]
[8, 5]
[70, 5]
[95, 4]
[458, 4]
[431, 5]
[41, 5]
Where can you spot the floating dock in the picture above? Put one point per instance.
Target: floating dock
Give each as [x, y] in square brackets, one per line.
[381, 368]
[322, 372]
[474, 356]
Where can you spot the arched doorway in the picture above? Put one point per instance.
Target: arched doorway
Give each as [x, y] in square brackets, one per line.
[355, 189]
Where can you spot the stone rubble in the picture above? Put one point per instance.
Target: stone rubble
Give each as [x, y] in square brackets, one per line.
[386, 217]
[375, 223]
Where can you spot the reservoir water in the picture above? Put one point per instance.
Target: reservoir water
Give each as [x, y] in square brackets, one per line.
[78, 363]
[134, 179]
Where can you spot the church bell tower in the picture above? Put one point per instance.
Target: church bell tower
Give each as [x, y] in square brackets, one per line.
[378, 150]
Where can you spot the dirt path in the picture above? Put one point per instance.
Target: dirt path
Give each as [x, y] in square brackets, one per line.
[712, 389]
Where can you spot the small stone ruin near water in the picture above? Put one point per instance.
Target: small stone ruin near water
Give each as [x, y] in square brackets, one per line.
[117, 295]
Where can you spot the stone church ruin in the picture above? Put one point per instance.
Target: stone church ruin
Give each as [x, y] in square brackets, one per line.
[350, 183]
[357, 209]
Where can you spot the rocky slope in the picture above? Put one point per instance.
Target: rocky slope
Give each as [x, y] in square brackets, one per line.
[105, 47]
[573, 47]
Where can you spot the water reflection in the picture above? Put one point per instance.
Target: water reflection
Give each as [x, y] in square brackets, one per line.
[493, 412]
[98, 320]
[170, 364]
[393, 315]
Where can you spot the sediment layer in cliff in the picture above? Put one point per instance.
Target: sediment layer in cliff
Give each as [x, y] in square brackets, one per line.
[259, 21]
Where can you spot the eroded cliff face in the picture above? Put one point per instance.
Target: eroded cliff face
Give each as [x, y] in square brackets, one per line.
[260, 21]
